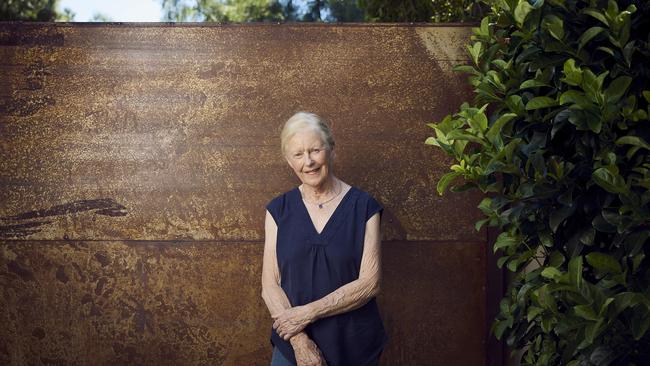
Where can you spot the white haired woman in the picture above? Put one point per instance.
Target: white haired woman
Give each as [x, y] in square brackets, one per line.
[321, 270]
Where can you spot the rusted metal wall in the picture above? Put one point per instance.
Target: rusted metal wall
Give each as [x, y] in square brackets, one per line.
[136, 160]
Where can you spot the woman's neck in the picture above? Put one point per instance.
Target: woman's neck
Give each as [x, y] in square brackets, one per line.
[322, 192]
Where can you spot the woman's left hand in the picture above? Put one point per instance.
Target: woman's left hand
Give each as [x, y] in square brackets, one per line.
[292, 321]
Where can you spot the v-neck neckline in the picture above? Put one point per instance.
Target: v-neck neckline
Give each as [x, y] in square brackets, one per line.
[332, 216]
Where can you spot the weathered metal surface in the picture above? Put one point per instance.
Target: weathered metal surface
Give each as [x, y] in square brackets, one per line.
[136, 160]
[138, 303]
[198, 303]
[189, 117]
[433, 303]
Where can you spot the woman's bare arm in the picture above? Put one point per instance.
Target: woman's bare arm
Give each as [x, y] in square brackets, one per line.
[274, 296]
[347, 297]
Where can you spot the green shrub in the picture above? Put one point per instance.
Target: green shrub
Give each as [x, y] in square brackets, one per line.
[558, 137]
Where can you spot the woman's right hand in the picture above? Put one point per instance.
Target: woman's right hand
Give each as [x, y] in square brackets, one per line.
[306, 351]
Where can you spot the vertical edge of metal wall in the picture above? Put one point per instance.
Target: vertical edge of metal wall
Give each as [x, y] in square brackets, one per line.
[495, 281]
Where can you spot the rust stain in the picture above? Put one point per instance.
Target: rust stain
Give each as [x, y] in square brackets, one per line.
[21, 230]
[102, 206]
[61, 275]
[27, 106]
[19, 270]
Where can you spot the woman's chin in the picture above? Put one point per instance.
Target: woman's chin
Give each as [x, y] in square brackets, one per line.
[313, 180]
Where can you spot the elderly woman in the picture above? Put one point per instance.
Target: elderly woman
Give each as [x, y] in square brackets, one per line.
[322, 259]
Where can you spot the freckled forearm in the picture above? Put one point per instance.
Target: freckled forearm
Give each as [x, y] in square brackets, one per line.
[346, 298]
[277, 301]
[275, 298]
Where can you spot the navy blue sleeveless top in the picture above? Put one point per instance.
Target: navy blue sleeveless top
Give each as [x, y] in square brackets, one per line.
[312, 265]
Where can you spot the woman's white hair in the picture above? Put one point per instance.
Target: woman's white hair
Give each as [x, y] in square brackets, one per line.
[305, 120]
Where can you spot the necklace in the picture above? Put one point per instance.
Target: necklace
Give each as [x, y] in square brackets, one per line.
[320, 205]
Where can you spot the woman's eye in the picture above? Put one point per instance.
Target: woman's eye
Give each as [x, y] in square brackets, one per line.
[316, 150]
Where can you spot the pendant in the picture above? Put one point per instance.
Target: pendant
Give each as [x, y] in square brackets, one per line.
[320, 205]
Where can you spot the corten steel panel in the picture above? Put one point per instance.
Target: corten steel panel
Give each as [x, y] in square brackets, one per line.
[126, 146]
[96, 118]
[172, 303]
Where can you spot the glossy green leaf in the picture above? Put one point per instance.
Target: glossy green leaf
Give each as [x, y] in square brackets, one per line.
[588, 35]
[625, 300]
[575, 271]
[617, 88]
[504, 240]
[551, 273]
[475, 52]
[445, 180]
[479, 122]
[540, 102]
[533, 312]
[628, 50]
[461, 135]
[575, 97]
[606, 50]
[585, 312]
[547, 324]
[558, 216]
[613, 183]
[605, 306]
[634, 141]
[431, 141]
[501, 326]
[572, 74]
[546, 299]
[501, 261]
[604, 263]
[521, 12]
[640, 323]
[498, 125]
[532, 83]
[612, 9]
[466, 69]
[555, 26]
[597, 15]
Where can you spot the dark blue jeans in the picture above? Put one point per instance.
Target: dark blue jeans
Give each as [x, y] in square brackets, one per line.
[279, 360]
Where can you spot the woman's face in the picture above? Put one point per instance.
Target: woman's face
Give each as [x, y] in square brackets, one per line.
[309, 157]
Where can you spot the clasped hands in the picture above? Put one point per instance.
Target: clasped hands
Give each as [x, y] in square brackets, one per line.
[292, 321]
[289, 325]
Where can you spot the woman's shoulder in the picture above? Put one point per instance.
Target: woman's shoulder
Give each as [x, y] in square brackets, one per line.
[362, 195]
[280, 201]
[366, 204]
